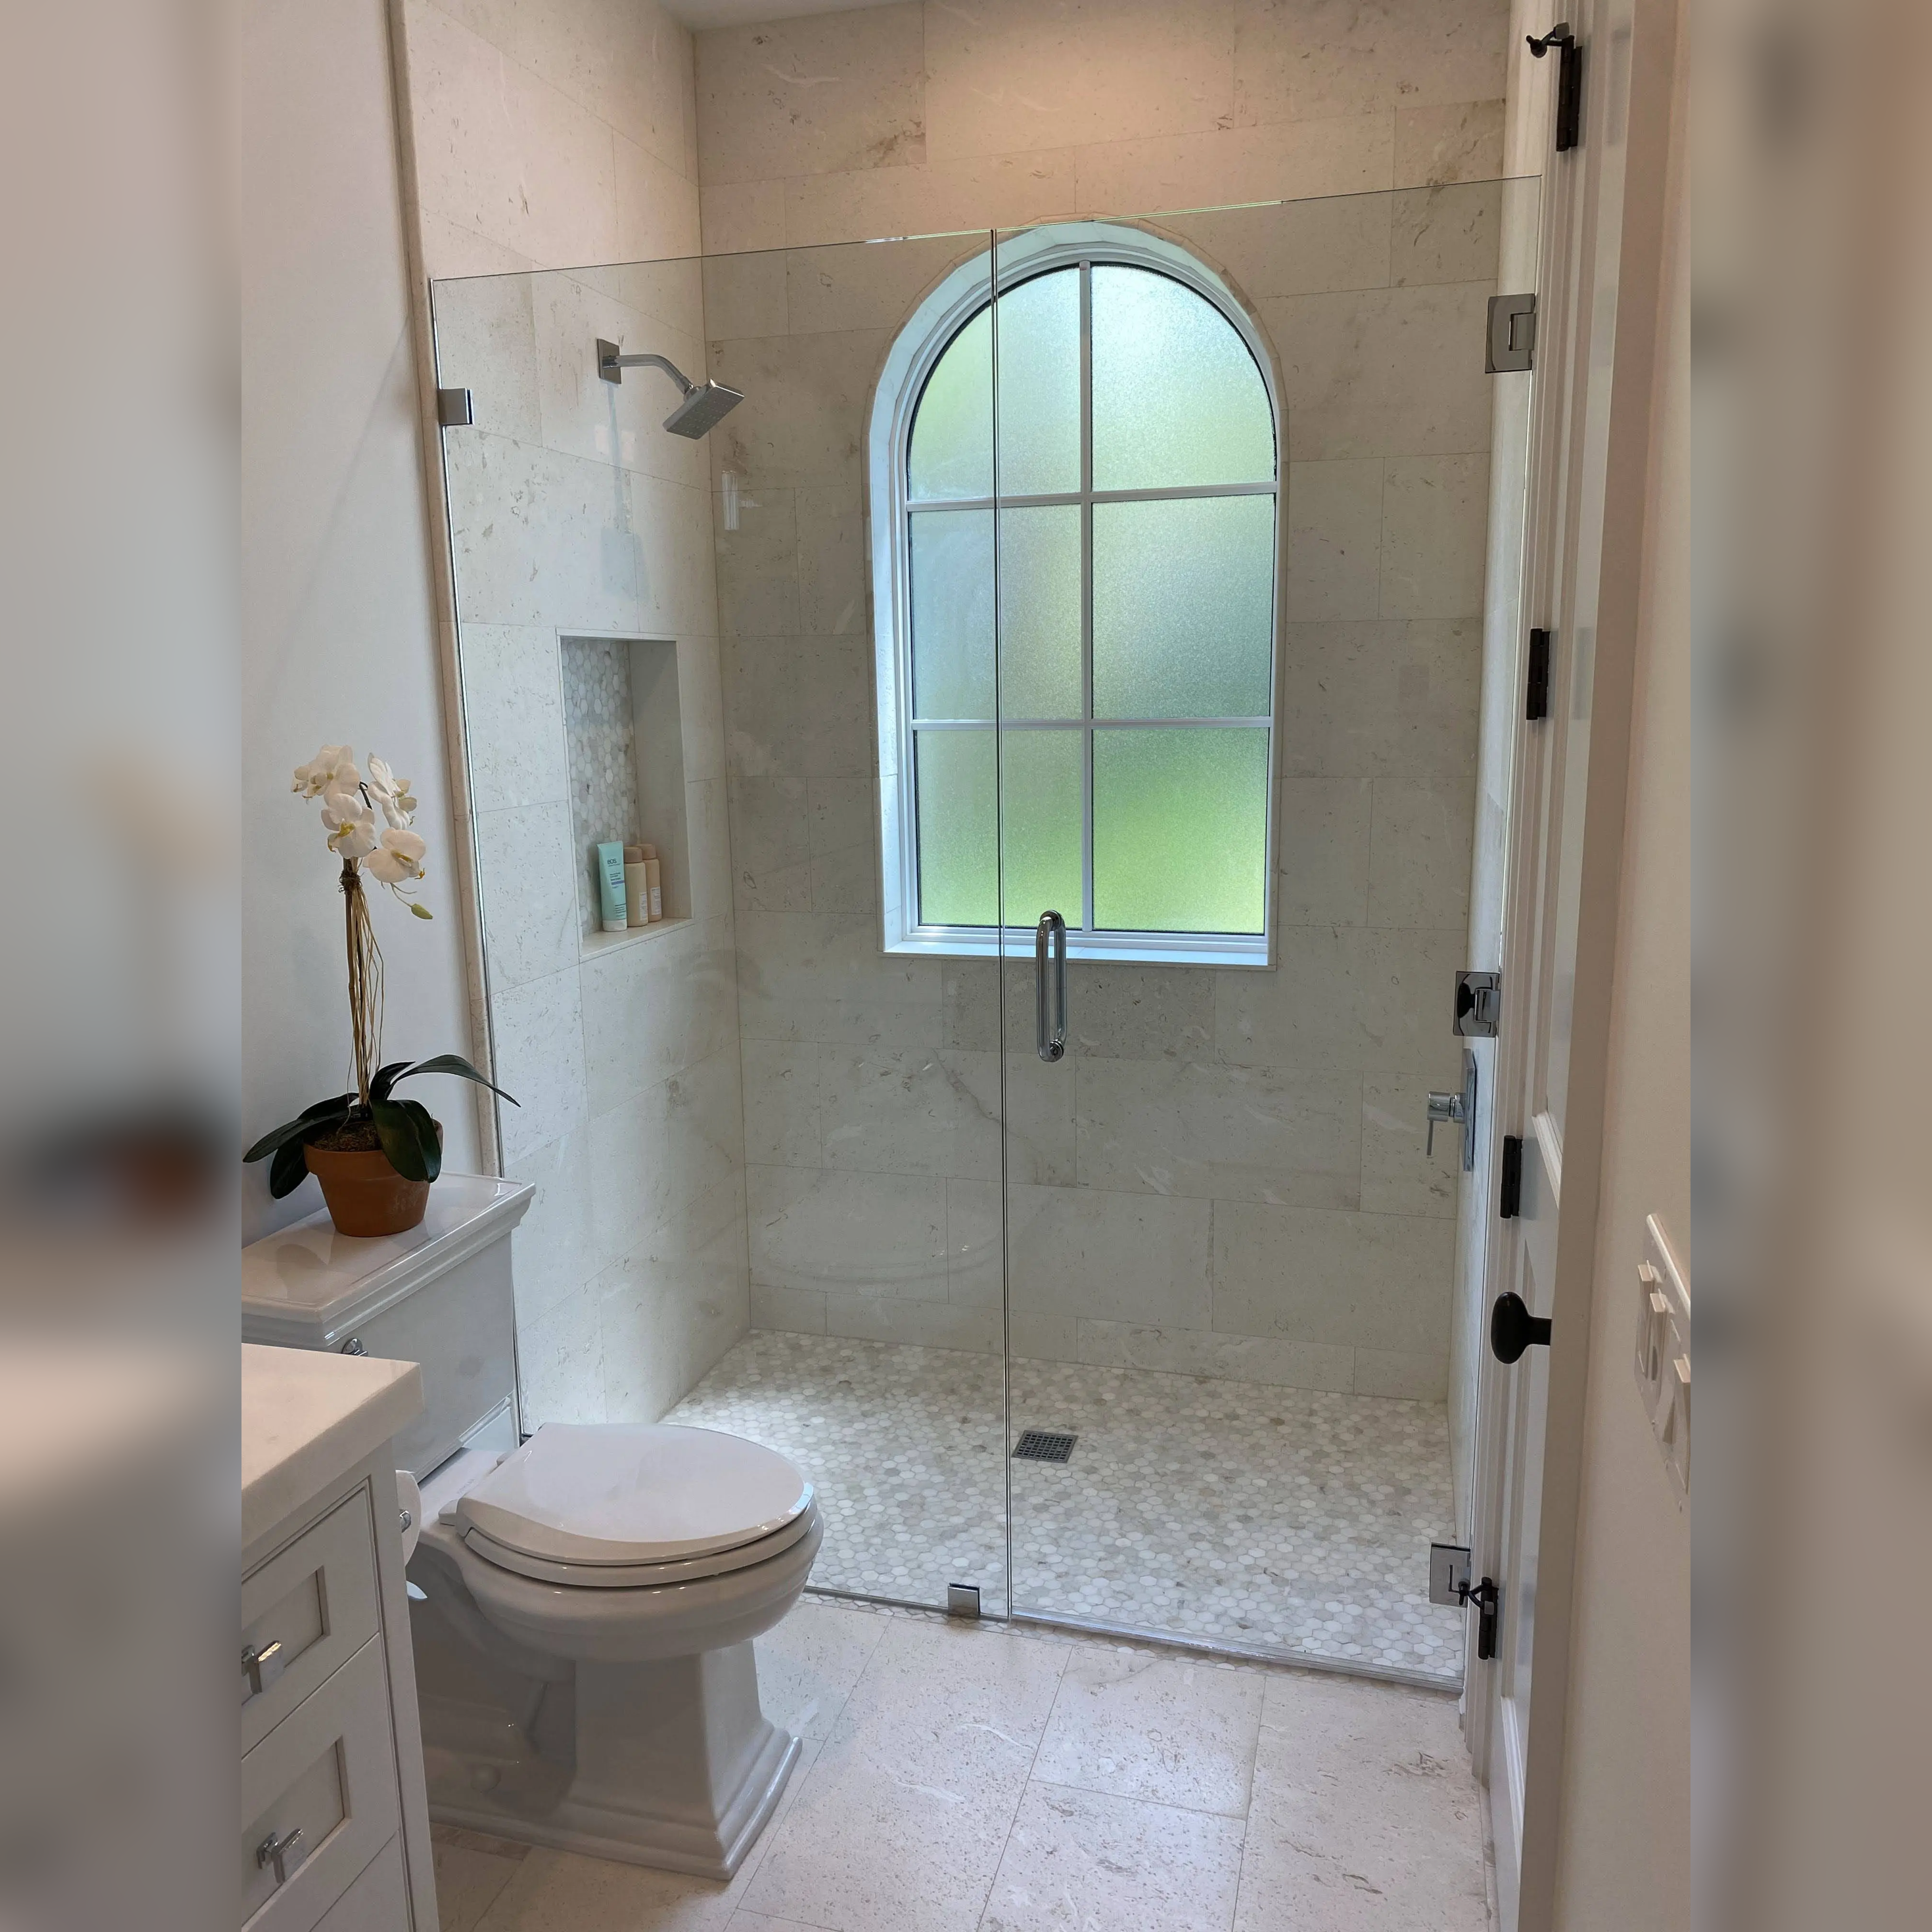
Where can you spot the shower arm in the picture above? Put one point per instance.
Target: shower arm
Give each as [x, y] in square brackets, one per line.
[611, 365]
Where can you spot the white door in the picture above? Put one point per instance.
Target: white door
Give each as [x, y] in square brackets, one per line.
[1581, 234]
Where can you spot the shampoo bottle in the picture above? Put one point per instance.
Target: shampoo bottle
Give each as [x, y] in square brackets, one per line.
[610, 885]
[636, 888]
[654, 877]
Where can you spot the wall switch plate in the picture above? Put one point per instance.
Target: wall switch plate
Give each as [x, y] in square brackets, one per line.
[1662, 1363]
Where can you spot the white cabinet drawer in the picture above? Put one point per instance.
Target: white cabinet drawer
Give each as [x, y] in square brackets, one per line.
[305, 1612]
[328, 1770]
[379, 1901]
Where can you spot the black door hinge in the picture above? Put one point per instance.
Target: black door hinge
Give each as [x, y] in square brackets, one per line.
[1509, 1194]
[1536, 686]
[1569, 82]
[1487, 1598]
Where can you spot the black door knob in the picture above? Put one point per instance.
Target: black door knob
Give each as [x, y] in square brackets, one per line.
[1513, 1328]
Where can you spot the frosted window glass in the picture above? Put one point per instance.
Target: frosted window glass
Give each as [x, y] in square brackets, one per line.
[1180, 830]
[1038, 352]
[1184, 596]
[953, 613]
[952, 452]
[959, 834]
[1040, 611]
[1042, 823]
[1177, 399]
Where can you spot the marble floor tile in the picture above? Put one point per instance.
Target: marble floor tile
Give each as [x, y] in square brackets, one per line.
[808, 1666]
[1167, 1729]
[470, 1871]
[1280, 1518]
[1076, 1860]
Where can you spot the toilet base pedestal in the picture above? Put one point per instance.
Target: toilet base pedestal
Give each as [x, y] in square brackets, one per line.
[676, 1767]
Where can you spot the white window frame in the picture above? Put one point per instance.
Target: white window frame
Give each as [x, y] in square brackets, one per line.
[951, 304]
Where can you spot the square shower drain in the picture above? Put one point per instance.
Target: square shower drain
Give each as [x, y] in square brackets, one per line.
[1045, 1445]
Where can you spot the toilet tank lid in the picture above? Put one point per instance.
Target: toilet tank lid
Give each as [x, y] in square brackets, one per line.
[633, 1493]
[305, 1283]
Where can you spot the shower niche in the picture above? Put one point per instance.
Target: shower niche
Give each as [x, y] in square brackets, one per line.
[624, 736]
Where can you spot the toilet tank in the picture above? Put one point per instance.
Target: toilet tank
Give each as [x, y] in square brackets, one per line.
[439, 1295]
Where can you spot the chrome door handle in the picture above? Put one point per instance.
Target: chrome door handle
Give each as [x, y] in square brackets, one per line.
[1051, 1041]
[255, 1661]
[279, 1852]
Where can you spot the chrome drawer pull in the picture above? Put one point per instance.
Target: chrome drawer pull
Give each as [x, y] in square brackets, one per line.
[276, 1851]
[254, 1662]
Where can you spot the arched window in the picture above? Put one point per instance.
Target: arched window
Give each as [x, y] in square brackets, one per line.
[1113, 725]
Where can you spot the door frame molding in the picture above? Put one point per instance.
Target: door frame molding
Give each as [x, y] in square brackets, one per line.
[1589, 252]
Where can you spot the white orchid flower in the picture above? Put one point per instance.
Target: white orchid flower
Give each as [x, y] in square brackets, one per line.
[399, 857]
[392, 793]
[350, 823]
[332, 768]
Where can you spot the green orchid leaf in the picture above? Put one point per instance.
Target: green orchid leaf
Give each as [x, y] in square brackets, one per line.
[317, 1119]
[288, 1170]
[386, 1077]
[396, 1127]
[429, 1136]
[455, 1063]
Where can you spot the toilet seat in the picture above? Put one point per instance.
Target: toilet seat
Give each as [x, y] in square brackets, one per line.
[627, 1505]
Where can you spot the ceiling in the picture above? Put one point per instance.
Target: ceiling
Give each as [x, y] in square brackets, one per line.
[699, 14]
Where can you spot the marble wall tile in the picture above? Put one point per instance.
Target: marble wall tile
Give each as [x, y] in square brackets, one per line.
[1037, 1337]
[1446, 234]
[1296, 247]
[664, 1149]
[1334, 516]
[1009, 77]
[708, 833]
[668, 1314]
[781, 1107]
[904, 1112]
[969, 1000]
[657, 205]
[866, 285]
[794, 1311]
[1457, 141]
[537, 1047]
[798, 707]
[1138, 1258]
[797, 97]
[745, 294]
[1369, 1281]
[554, 1248]
[451, 250]
[1365, 700]
[943, 198]
[655, 1007]
[513, 713]
[1435, 523]
[771, 845]
[821, 977]
[1220, 1132]
[700, 704]
[1241, 1358]
[676, 578]
[844, 838]
[915, 1324]
[1038, 1100]
[803, 417]
[1296, 61]
[832, 565]
[1383, 372]
[1398, 1176]
[1353, 153]
[1410, 1375]
[847, 1233]
[666, 292]
[560, 1361]
[1124, 1011]
[504, 153]
[974, 1251]
[526, 855]
[757, 563]
[742, 216]
[541, 539]
[1322, 850]
[1419, 854]
[486, 342]
[1343, 998]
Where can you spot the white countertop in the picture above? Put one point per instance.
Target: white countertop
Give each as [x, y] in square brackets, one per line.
[306, 1417]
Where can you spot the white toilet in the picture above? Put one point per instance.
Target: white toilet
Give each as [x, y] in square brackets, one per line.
[583, 1606]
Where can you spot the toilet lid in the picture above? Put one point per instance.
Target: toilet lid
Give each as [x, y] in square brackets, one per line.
[633, 1493]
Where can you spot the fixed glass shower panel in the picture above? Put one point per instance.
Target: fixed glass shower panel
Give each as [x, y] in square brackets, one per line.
[1244, 491]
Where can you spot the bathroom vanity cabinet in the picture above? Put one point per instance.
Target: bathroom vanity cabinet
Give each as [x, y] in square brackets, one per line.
[335, 1821]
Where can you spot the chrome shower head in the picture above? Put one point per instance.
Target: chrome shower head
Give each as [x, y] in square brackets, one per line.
[704, 403]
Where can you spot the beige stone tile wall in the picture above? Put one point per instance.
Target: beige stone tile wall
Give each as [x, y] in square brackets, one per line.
[551, 133]
[919, 119]
[1227, 1175]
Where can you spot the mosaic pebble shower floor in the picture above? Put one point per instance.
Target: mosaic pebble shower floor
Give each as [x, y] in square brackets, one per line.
[1234, 1512]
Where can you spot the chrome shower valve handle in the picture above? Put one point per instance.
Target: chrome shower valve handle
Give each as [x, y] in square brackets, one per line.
[1460, 1108]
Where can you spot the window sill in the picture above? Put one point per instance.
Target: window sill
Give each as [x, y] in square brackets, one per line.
[1217, 950]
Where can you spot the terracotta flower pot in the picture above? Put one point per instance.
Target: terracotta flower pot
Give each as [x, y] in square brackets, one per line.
[364, 1195]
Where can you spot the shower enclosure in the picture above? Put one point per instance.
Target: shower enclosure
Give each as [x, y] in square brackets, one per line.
[1052, 692]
